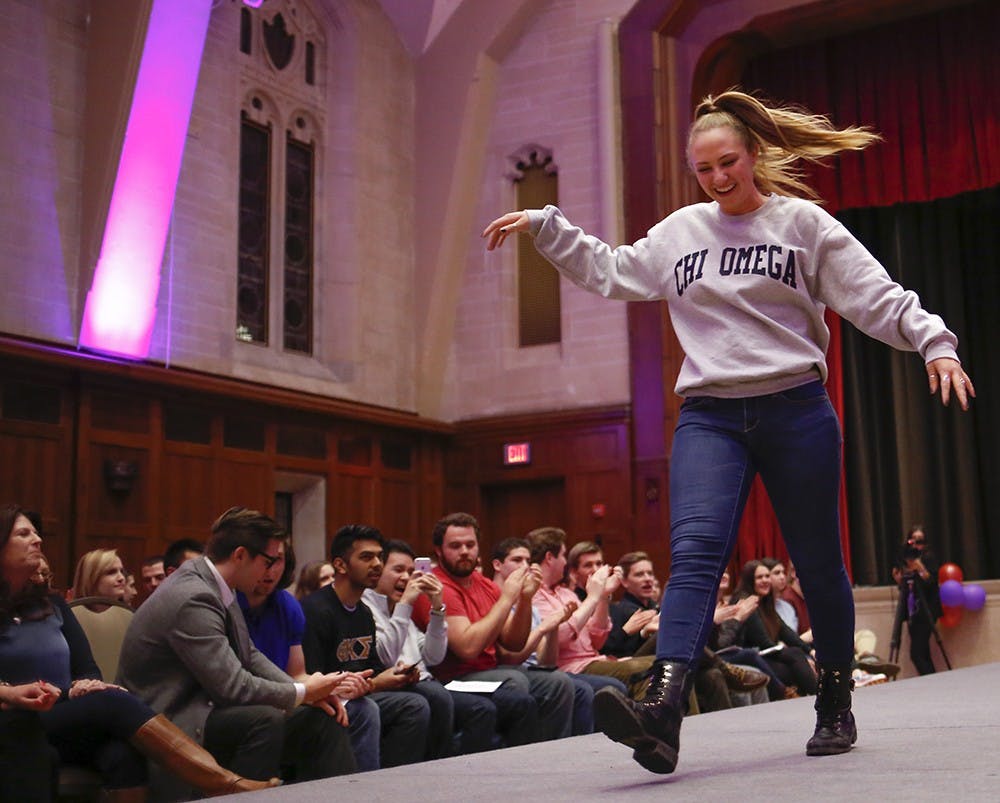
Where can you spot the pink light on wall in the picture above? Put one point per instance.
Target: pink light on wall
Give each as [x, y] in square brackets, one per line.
[121, 305]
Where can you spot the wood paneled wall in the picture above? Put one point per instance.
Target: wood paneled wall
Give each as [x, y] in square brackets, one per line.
[131, 456]
[194, 446]
[579, 477]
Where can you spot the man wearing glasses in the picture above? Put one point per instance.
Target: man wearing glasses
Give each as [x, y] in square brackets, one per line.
[187, 653]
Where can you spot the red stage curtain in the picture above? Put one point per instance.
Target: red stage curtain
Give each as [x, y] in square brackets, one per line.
[931, 86]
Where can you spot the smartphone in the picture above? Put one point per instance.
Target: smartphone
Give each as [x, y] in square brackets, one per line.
[422, 565]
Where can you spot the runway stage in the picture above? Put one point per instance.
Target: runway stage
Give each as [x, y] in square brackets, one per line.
[932, 738]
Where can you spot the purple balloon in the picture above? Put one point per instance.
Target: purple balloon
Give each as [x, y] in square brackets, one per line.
[975, 597]
[952, 593]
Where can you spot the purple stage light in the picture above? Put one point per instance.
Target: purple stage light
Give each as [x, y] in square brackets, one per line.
[121, 305]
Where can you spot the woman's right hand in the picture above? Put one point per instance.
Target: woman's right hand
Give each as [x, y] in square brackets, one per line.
[638, 620]
[37, 696]
[498, 230]
[747, 606]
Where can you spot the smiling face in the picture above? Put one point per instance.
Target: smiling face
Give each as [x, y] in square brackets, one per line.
[762, 581]
[724, 169]
[395, 575]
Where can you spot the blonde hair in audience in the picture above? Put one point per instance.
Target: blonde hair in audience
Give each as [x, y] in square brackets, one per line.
[89, 570]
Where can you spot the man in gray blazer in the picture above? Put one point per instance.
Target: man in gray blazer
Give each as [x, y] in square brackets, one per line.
[187, 653]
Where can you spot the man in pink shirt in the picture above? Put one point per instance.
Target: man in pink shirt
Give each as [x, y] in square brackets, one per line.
[584, 633]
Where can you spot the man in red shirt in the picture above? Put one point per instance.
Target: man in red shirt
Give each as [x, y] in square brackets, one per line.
[484, 618]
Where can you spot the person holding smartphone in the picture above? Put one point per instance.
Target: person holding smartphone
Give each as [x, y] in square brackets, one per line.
[460, 722]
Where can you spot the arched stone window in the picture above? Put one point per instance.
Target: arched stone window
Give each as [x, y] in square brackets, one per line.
[538, 307]
[281, 132]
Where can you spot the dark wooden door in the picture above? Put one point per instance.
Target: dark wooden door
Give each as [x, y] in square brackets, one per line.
[515, 509]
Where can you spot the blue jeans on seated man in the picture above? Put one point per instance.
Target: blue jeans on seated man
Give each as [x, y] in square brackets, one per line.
[532, 705]
[388, 728]
[584, 687]
[461, 723]
[792, 439]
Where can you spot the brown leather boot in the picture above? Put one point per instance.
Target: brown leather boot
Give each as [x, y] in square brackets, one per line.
[171, 748]
[741, 678]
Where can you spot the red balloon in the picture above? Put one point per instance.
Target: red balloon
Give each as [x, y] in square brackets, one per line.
[952, 615]
[950, 571]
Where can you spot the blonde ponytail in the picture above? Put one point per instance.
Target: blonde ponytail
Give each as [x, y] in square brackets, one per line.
[780, 135]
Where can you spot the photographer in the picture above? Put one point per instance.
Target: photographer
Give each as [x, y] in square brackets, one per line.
[915, 573]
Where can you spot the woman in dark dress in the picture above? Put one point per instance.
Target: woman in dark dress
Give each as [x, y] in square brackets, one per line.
[52, 694]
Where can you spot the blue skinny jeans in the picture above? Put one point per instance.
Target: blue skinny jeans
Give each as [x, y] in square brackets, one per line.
[793, 440]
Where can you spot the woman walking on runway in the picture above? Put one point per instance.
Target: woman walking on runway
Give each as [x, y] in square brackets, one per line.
[747, 277]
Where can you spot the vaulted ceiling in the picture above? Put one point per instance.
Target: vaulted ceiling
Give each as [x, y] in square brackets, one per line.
[418, 21]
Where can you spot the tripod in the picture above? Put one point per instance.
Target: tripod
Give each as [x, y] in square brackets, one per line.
[906, 587]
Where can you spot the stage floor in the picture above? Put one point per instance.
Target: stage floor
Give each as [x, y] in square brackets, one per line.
[932, 738]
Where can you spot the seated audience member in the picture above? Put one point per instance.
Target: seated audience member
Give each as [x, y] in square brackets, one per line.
[131, 592]
[274, 617]
[635, 617]
[725, 638]
[635, 621]
[276, 625]
[315, 575]
[868, 668]
[340, 636]
[99, 573]
[541, 650]
[794, 596]
[482, 617]
[87, 721]
[181, 550]
[187, 653]
[584, 558]
[763, 629]
[401, 643]
[779, 582]
[152, 574]
[582, 635]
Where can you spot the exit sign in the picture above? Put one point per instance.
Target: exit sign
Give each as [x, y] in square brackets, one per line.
[516, 454]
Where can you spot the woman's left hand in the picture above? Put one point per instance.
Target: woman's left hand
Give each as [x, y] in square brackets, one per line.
[84, 686]
[947, 374]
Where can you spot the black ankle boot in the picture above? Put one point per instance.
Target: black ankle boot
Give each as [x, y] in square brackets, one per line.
[835, 729]
[651, 727]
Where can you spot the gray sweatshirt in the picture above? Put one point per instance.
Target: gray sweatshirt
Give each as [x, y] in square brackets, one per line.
[747, 293]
